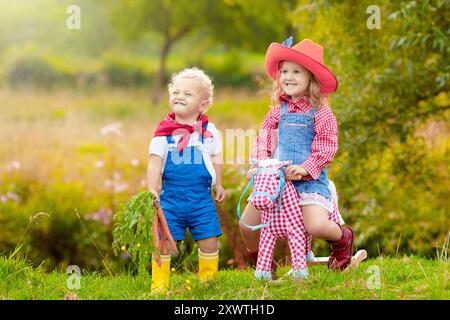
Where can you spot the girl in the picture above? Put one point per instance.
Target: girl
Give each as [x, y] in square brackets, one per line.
[302, 128]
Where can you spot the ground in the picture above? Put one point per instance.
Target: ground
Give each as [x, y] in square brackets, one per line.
[378, 278]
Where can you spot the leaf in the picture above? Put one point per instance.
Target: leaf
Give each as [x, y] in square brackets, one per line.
[131, 227]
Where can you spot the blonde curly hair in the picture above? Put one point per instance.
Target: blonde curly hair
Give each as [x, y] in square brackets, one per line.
[195, 73]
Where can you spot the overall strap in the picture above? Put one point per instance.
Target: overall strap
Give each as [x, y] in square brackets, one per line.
[283, 111]
[312, 112]
[200, 133]
[171, 143]
[284, 108]
[170, 139]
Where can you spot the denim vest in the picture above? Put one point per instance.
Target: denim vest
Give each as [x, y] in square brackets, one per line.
[295, 137]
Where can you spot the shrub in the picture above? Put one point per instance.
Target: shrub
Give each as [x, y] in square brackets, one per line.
[228, 70]
[32, 72]
[123, 72]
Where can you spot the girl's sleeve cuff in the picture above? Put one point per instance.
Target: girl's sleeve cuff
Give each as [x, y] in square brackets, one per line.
[313, 171]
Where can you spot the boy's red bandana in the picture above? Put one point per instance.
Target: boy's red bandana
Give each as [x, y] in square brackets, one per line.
[168, 126]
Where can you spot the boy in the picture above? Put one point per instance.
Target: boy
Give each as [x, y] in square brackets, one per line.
[186, 151]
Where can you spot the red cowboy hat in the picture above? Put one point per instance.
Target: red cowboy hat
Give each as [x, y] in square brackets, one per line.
[305, 53]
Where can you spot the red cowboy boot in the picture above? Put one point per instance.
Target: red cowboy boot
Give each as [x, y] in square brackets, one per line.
[254, 256]
[341, 250]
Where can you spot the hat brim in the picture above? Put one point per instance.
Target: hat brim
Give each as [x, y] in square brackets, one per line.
[278, 52]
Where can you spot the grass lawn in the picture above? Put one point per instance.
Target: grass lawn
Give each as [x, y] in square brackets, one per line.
[379, 278]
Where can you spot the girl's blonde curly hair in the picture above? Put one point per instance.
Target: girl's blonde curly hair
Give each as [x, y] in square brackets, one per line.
[316, 98]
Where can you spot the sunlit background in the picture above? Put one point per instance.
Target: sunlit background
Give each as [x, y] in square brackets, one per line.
[78, 108]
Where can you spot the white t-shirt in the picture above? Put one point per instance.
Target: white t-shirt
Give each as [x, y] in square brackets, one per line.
[210, 147]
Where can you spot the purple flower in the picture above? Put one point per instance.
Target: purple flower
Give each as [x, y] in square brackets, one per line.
[13, 166]
[112, 129]
[99, 164]
[9, 196]
[134, 162]
[103, 215]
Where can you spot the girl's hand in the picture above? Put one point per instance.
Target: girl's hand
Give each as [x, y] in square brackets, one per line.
[220, 193]
[294, 172]
[250, 173]
[293, 177]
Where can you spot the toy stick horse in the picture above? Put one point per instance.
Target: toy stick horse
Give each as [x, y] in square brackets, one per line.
[281, 217]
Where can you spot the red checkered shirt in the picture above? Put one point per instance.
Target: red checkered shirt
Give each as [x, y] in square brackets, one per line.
[324, 145]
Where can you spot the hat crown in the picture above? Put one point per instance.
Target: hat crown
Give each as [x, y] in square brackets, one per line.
[310, 49]
[306, 53]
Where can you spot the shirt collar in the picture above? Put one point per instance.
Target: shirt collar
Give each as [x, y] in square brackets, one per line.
[302, 104]
[171, 117]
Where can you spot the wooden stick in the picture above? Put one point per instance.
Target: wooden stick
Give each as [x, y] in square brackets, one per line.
[356, 259]
[319, 261]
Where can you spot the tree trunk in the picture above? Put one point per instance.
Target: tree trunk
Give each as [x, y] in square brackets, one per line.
[160, 77]
[169, 40]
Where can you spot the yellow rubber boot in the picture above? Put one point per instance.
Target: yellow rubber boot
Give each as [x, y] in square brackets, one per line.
[161, 275]
[208, 265]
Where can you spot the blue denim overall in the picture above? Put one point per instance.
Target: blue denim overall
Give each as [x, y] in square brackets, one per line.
[295, 137]
[186, 194]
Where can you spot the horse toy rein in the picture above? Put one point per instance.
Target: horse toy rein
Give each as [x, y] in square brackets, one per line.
[278, 192]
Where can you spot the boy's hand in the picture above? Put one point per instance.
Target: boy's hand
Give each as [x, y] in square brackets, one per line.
[250, 173]
[220, 193]
[294, 172]
[155, 193]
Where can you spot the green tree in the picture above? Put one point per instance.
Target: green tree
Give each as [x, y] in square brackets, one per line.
[172, 21]
[234, 23]
[389, 78]
[392, 81]
[251, 25]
